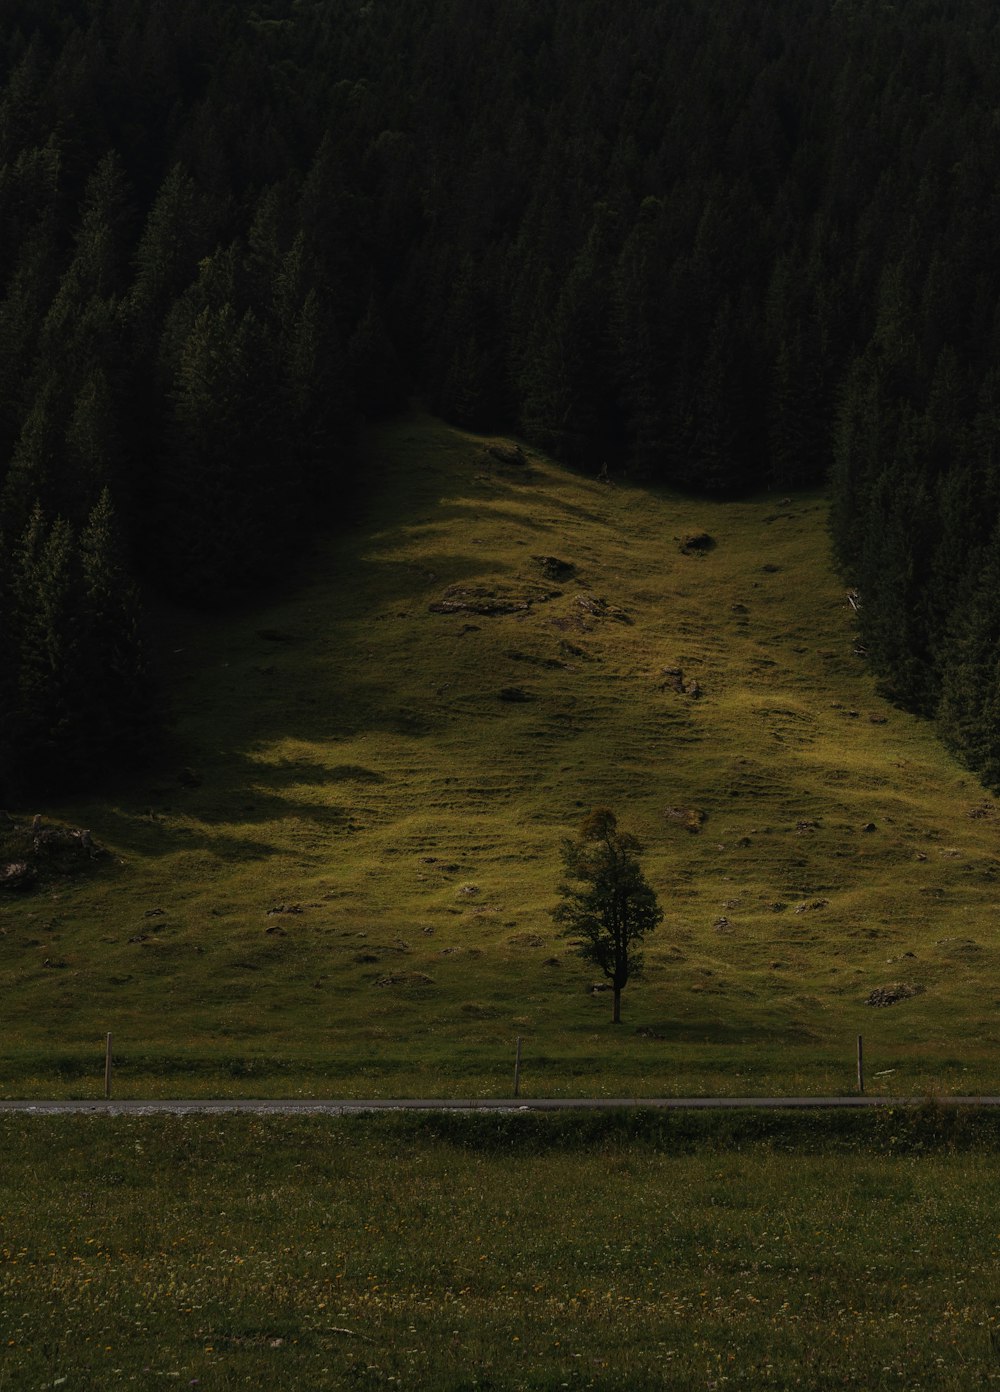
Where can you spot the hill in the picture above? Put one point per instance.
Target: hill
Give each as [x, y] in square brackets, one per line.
[339, 881]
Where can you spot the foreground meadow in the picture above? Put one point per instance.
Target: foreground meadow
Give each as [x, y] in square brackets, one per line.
[621, 1252]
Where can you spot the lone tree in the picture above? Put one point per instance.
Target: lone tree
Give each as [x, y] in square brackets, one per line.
[606, 905]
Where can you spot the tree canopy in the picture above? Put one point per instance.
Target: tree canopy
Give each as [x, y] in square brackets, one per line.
[606, 905]
[722, 246]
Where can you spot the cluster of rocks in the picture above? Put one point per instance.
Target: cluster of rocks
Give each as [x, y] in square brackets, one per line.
[491, 599]
[17, 874]
[32, 852]
[691, 818]
[675, 680]
[891, 995]
[555, 569]
[599, 608]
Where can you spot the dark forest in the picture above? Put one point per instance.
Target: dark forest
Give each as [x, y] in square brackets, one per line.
[724, 247]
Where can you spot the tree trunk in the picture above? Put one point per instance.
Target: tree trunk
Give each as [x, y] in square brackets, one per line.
[616, 1014]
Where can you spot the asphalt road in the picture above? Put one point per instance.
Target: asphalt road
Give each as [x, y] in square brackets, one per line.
[343, 1106]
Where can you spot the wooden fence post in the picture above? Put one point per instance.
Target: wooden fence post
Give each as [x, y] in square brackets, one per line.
[517, 1068]
[861, 1065]
[107, 1066]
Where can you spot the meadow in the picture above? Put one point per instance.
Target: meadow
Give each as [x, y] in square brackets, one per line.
[337, 879]
[621, 1252]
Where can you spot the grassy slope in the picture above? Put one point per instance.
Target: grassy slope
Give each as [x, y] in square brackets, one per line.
[358, 762]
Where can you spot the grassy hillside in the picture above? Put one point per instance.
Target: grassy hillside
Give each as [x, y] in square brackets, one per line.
[339, 880]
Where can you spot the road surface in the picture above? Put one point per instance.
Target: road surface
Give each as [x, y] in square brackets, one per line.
[344, 1106]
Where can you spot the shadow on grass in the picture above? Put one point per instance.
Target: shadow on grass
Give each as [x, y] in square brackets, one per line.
[926, 1128]
[728, 1033]
[302, 669]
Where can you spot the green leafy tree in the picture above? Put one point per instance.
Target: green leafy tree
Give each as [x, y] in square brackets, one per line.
[606, 904]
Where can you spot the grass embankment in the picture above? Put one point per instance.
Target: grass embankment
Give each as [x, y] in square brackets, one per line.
[621, 1252]
[339, 880]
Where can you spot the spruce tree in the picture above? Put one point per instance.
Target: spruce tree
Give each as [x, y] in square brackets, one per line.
[218, 489]
[50, 677]
[115, 674]
[969, 708]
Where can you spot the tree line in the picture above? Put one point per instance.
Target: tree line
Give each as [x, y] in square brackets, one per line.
[726, 247]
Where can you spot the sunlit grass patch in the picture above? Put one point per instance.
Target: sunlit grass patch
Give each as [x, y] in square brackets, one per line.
[355, 833]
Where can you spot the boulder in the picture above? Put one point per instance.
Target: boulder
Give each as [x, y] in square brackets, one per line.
[891, 995]
[555, 569]
[16, 874]
[696, 542]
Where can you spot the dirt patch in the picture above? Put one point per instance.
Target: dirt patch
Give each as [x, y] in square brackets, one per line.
[691, 818]
[475, 1011]
[526, 940]
[406, 979]
[960, 947]
[491, 599]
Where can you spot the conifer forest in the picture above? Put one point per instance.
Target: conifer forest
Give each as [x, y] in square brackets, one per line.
[724, 247]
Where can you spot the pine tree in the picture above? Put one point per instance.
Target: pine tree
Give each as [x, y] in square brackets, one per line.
[643, 329]
[19, 104]
[219, 491]
[376, 381]
[29, 190]
[46, 593]
[36, 475]
[969, 708]
[93, 437]
[29, 293]
[176, 234]
[570, 402]
[116, 687]
[10, 733]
